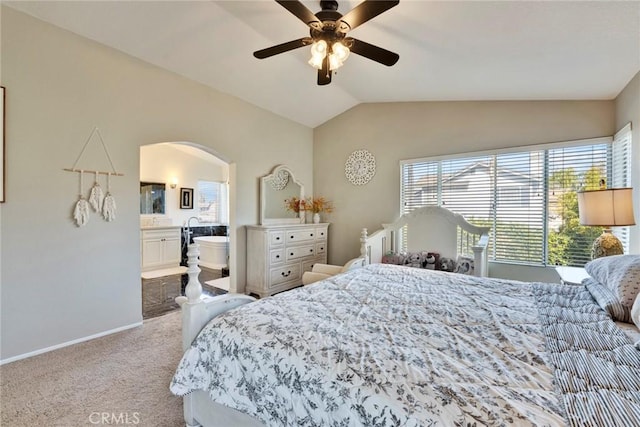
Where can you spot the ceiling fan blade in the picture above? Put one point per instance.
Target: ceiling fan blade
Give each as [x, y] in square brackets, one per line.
[324, 74]
[374, 53]
[363, 12]
[281, 48]
[301, 12]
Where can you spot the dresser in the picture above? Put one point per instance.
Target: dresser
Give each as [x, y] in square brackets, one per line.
[277, 255]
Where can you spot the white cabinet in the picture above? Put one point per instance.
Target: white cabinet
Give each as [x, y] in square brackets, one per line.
[277, 255]
[160, 248]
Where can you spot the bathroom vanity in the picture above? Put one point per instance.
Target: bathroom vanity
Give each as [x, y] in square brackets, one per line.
[160, 247]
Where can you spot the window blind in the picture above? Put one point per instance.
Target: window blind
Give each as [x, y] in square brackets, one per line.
[520, 215]
[527, 197]
[572, 169]
[620, 173]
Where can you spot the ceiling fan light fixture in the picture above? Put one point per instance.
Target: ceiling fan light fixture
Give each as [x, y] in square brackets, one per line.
[318, 53]
[339, 53]
[319, 47]
[316, 62]
[334, 62]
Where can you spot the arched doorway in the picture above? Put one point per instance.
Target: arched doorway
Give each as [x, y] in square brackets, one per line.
[186, 193]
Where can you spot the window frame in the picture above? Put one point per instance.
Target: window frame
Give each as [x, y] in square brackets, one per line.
[223, 217]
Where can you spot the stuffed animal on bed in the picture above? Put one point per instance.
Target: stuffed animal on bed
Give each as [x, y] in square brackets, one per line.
[431, 261]
[464, 265]
[415, 259]
[393, 258]
[446, 264]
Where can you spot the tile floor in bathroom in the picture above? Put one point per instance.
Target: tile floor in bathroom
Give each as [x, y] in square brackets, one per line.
[158, 295]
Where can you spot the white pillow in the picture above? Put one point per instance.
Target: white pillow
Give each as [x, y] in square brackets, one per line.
[635, 312]
[619, 273]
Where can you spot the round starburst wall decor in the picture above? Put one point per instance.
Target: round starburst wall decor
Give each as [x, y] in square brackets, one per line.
[360, 167]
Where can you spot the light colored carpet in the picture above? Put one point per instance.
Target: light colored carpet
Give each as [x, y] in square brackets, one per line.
[124, 375]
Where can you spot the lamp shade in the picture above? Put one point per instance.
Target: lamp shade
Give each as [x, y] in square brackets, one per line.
[606, 208]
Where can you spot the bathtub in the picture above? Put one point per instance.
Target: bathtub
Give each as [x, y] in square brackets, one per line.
[213, 251]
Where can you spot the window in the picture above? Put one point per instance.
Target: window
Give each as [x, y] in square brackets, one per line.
[528, 198]
[621, 176]
[212, 202]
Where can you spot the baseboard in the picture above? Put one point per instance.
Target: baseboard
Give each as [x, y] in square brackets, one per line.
[68, 343]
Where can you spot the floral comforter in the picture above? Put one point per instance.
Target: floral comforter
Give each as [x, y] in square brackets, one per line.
[387, 345]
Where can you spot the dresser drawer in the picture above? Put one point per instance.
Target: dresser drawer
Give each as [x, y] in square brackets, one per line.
[276, 238]
[277, 256]
[285, 274]
[308, 265]
[321, 234]
[297, 252]
[321, 248]
[294, 236]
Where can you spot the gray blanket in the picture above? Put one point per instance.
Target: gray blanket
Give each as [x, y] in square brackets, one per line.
[394, 346]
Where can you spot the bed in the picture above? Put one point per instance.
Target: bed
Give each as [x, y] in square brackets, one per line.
[395, 345]
[429, 229]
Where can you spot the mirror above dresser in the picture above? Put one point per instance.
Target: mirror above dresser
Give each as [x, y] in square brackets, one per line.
[275, 188]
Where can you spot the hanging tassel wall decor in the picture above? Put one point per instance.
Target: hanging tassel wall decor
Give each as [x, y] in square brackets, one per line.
[81, 212]
[104, 205]
[96, 196]
[109, 204]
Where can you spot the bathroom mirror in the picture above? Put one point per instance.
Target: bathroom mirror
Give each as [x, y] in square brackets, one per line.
[275, 188]
[152, 198]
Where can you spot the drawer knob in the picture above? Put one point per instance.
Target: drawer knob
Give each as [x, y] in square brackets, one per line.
[322, 249]
[310, 234]
[277, 238]
[277, 256]
[310, 250]
[291, 254]
[291, 237]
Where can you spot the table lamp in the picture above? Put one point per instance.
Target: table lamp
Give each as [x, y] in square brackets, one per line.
[608, 208]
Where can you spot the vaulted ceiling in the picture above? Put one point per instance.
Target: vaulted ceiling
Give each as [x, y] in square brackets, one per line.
[449, 50]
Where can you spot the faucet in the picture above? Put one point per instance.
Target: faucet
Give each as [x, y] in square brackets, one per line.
[189, 232]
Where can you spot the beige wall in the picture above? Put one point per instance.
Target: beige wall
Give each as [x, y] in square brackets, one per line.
[628, 110]
[59, 282]
[397, 131]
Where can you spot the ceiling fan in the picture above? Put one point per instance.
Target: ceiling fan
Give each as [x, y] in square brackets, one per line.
[330, 45]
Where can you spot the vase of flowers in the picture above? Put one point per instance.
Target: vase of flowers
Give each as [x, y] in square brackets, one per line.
[296, 206]
[318, 205]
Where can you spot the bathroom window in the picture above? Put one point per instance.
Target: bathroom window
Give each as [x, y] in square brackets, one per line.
[213, 206]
